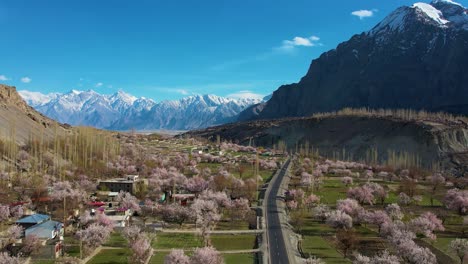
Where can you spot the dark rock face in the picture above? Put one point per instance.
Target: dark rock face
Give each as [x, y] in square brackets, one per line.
[409, 60]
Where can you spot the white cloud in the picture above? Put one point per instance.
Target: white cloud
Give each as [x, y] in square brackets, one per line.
[4, 78]
[246, 94]
[99, 84]
[182, 91]
[363, 13]
[26, 80]
[289, 45]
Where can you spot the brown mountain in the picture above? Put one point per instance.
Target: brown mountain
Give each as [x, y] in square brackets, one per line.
[19, 122]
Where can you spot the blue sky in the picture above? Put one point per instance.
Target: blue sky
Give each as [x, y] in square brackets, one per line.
[173, 48]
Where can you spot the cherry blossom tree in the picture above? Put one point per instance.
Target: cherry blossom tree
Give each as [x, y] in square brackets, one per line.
[404, 199]
[347, 181]
[207, 215]
[5, 258]
[31, 244]
[363, 194]
[14, 233]
[378, 191]
[311, 201]
[131, 233]
[382, 258]
[426, 224]
[177, 256]
[394, 211]
[175, 213]
[459, 247]
[141, 250]
[350, 207]
[339, 220]
[206, 255]
[239, 209]
[378, 218]
[456, 199]
[4, 213]
[196, 184]
[321, 212]
[128, 201]
[314, 260]
[93, 236]
[291, 205]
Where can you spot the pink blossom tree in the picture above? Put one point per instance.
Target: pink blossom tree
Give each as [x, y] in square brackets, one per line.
[459, 247]
[382, 258]
[31, 244]
[352, 208]
[321, 212]
[426, 224]
[196, 184]
[339, 220]
[93, 236]
[347, 181]
[177, 256]
[207, 215]
[457, 200]
[394, 211]
[206, 255]
[175, 213]
[128, 201]
[378, 218]
[363, 194]
[404, 199]
[311, 201]
[4, 213]
[14, 232]
[141, 250]
[6, 258]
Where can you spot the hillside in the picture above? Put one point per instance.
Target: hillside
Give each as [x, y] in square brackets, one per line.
[415, 58]
[405, 139]
[19, 122]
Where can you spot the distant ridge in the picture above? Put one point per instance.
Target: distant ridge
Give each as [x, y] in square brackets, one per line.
[122, 111]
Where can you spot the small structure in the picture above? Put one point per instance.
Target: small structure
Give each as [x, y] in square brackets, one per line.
[47, 230]
[127, 184]
[41, 226]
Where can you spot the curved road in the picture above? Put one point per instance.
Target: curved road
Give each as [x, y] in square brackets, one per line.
[276, 245]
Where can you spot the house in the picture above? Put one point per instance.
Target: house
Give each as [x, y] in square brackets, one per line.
[41, 226]
[127, 184]
[47, 230]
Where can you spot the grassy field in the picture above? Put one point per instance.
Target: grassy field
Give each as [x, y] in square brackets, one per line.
[233, 242]
[116, 240]
[158, 258]
[318, 238]
[111, 256]
[182, 241]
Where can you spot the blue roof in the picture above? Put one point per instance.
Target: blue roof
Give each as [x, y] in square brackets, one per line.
[33, 219]
[44, 230]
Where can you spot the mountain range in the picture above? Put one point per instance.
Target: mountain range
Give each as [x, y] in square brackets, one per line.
[415, 58]
[122, 111]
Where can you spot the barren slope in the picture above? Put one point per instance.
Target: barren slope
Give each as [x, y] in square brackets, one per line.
[19, 122]
[430, 142]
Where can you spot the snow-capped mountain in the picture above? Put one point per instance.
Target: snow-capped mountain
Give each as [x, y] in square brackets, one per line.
[122, 111]
[415, 58]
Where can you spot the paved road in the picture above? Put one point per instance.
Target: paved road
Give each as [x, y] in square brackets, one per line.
[276, 246]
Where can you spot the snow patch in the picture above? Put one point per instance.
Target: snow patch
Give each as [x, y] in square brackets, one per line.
[432, 13]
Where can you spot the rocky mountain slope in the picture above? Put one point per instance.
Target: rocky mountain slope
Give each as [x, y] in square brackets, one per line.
[19, 122]
[415, 58]
[423, 140]
[122, 111]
